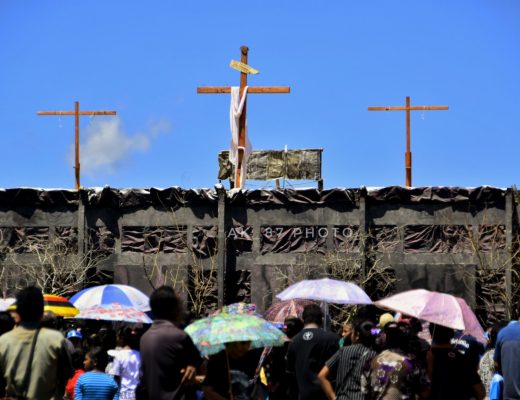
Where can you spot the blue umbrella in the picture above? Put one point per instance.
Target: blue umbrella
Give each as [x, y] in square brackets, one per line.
[107, 294]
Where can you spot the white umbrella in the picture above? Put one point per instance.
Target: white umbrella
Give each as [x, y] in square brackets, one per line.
[4, 303]
[326, 290]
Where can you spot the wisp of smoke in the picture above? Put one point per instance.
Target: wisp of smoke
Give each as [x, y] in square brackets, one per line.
[106, 145]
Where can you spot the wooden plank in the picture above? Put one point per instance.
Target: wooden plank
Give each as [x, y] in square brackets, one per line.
[74, 113]
[250, 89]
[404, 108]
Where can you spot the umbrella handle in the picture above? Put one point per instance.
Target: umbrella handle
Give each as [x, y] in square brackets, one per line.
[229, 376]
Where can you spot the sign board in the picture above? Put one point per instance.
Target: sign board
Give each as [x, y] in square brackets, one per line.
[240, 66]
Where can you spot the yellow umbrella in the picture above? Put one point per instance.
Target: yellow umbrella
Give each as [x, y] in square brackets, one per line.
[57, 304]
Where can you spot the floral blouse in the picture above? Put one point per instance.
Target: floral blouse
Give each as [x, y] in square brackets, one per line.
[394, 375]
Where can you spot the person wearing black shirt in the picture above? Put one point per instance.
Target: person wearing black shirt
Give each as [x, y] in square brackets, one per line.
[308, 352]
[453, 375]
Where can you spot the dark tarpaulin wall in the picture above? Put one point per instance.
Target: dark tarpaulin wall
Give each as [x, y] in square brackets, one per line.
[415, 238]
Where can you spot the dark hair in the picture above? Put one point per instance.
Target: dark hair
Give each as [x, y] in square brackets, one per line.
[364, 331]
[165, 303]
[99, 356]
[292, 326]
[441, 334]
[130, 338]
[494, 333]
[312, 314]
[6, 322]
[77, 358]
[108, 338]
[29, 304]
[396, 336]
[49, 320]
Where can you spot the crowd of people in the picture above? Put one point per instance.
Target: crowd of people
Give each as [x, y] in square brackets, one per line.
[376, 357]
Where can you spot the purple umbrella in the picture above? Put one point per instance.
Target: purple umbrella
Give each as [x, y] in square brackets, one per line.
[326, 290]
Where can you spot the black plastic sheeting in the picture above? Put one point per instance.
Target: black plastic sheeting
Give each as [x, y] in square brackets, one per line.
[399, 194]
[175, 197]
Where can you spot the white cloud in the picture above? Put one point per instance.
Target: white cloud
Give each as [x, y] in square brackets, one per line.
[106, 145]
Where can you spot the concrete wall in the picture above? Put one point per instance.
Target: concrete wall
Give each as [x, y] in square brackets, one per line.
[206, 228]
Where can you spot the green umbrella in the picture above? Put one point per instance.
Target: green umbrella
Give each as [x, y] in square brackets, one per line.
[212, 333]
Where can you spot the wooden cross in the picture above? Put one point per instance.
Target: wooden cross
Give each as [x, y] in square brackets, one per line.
[76, 114]
[242, 120]
[408, 108]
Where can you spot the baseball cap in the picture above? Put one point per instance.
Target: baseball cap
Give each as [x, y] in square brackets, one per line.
[74, 334]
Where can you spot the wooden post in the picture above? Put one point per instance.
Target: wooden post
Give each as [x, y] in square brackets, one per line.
[242, 120]
[408, 108]
[77, 113]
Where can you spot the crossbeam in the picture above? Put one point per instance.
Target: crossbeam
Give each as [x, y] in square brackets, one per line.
[251, 89]
[408, 108]
[239, 180]
[77, 113]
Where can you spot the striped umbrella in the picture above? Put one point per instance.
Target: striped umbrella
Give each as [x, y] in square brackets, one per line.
[127, 296]
[114, 312]
[57, 304]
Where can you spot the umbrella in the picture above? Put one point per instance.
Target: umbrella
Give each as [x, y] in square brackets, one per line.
[210, 334]
[440, 308]
[326, 290]
[114, 312]
[239, 308]
[57, 304]
[127, 296]
[5, 303]
[278, 312]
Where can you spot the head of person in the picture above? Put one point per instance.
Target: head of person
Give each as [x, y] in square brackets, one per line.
[312, 314]
[441, 334]
[6, 322]
[75, 337]
[346, 331]
[165, 304]
[237, 350]
[49, 320]
[292, 326]
[77, 358]
[396, 336]
[362, 333]
[29, 304]
[493, 333]
[130, 338]
[385, 319]
[96, 359]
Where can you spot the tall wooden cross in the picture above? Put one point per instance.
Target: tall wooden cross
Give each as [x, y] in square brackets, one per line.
[408, 108]
[76, 114]
[242, 121]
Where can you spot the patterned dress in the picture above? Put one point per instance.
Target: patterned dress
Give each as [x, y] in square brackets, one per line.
[394, 375]
[486, 369]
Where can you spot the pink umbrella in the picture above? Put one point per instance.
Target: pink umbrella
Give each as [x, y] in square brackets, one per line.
[440, 308]
[278, 312]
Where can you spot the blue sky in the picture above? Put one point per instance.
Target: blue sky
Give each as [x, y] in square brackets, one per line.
[146, 59]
